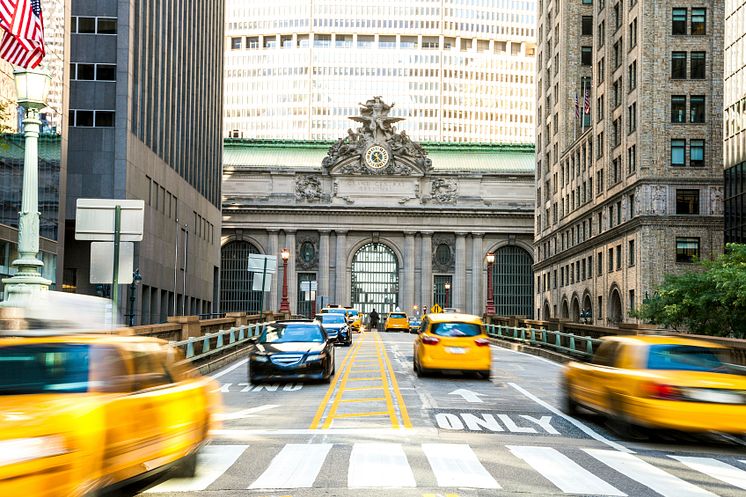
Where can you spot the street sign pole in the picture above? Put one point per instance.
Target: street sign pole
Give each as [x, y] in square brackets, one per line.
[115, 272]
[261, 302]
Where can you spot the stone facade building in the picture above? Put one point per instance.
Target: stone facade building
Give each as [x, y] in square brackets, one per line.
[735, 121]
[629, 151]
[378, 221]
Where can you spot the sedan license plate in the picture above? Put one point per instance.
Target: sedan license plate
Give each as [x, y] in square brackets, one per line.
[715, 397]
[456, 350]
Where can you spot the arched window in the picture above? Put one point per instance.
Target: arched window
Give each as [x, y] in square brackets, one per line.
[236, 294]
[375, 279]
[513, 282]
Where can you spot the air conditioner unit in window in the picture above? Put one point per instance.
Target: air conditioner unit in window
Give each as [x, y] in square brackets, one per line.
[235, 133]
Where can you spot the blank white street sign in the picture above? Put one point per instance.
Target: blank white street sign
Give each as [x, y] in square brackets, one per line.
[102, 262]
[94, 219]
[256, 286]
[256, 263]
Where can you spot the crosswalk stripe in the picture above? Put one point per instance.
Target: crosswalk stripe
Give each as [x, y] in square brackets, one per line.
[296, 466]
[456, 465]
[214, 460]
[379, 465]
[565, 474]
[717, 469]
[651, 476]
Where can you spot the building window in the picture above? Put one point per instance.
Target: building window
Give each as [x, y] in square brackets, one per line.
[678, 21]
[697, 70]
[600, 264]
[631, 252]
[687, 249]
[687, 201]
[599, 308]
[601, 67]
[699, 20]
[106, 72]
[633, 34]
[85, 72]
[587, 2]
[678, 65]
[618, 257]
[586, 56]
[106, 25]
[632, 159]
[678, 109]
[617, 53]
[84, 25]
[677, 152]
[236, 43]
[697, 109]
[587, 26]
[632, 75]
[104, 119]
[601, 33]
[696, 153]
[631, 301]
[632, 117]
[252, 42]
[610, 257]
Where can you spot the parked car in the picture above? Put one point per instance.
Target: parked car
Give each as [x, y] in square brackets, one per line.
[292, 350]
[660, 382]
[452, 342]
[87, 414]
[335, 325]
[396, 321]
[414, 324]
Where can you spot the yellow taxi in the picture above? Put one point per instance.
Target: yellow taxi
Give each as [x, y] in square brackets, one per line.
[452, 342]
[660, 382]
[87, 413]
[396, 321]
[354, 319]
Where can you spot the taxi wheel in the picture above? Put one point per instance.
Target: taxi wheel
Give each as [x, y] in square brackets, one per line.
[620, 423]
[568, 404]
[485, 375]
[187, 467]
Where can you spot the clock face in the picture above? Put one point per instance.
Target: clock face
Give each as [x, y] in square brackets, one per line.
[376, 157]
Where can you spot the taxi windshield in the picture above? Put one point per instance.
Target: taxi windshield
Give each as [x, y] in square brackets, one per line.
[456, 329]
[395, 315]
[44, 368]
[281, 333]
[685, 358]
[332, 318]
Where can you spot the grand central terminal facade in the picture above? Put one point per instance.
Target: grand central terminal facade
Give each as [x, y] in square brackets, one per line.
[378, 221]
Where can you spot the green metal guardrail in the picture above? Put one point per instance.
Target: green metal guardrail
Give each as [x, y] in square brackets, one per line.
[198, 348]
[568, 343]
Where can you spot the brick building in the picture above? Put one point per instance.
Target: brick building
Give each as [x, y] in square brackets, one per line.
[629, 151]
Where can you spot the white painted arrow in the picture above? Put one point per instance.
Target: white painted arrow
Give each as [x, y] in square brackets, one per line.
[246, 413]
[468, 395]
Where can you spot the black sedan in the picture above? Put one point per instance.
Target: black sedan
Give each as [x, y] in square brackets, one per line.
[292, 350]
[336, 327]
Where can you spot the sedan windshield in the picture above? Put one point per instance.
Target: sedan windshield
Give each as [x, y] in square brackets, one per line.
[685, 358]
[280, 333]
[44, 368]
[332, 318]
[456, 329]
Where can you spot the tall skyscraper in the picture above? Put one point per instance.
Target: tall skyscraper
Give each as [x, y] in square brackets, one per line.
[145, 122]
[629, 150]
[735, 121]
[458, 71]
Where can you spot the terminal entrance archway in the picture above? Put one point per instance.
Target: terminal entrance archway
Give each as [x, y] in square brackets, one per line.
[375, 279]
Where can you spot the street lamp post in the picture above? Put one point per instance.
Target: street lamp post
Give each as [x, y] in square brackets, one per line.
[490, 297]
[32, 87]
[284, 304]
[447, 286]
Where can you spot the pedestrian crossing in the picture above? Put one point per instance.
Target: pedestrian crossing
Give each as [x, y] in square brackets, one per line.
[572, 471]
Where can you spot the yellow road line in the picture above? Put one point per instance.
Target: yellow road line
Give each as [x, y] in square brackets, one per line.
[399, 399]
[367, 399]
[330, 390]
[338, 397]
[375, 378]
[366, 370]
[361, 414]
[359, 389]
[386, 391]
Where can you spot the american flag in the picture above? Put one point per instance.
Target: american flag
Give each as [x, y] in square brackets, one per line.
[23, 41]
[577, 107]
[587, 100]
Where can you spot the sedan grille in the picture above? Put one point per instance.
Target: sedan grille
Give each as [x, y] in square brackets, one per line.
[286, 359]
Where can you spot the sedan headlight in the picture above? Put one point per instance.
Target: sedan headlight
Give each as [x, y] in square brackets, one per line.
[19, 450]
[316, 356]
[259, 358]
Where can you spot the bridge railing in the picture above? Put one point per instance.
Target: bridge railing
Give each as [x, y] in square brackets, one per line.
[564, 343]
[212, 345]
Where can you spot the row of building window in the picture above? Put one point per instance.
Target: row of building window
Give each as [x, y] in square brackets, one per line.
[697, 65]
[681, 24]
[696, 153]
[91, 118]
[93, 72]
[93, 25]
[696, 109]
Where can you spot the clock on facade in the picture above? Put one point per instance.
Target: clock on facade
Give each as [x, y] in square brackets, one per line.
[376, 157]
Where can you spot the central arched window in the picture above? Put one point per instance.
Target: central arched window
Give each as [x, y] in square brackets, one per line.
[375, 279]
[513, 282]
[236, 294]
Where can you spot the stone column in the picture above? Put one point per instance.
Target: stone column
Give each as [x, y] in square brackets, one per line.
[477, 279]
[273, 249]
[323, 276]
[458, 289]
[292, 275]
[409, 260]
[427, 269]
[340, 287]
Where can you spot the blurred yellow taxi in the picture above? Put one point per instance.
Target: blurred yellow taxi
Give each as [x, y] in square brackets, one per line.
[452, 342]
[661, 382]
[80, 414]
[396, 321]
[354, 319]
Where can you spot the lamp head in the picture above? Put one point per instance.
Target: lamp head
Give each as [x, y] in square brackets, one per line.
[447, 286]
[285, 254]
[32, 87]
[490, 257]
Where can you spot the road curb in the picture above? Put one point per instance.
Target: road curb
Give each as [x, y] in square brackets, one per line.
[527, 349]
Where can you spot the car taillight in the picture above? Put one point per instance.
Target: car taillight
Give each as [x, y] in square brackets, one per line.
[482, 342]
[664, 392]
[430, 340]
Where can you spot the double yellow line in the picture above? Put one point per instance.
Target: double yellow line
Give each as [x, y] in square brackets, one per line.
[391, 398]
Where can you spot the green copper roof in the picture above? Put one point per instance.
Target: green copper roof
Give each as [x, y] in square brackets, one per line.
[516, 159]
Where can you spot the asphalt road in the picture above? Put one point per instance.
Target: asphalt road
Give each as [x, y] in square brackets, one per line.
[378, 430]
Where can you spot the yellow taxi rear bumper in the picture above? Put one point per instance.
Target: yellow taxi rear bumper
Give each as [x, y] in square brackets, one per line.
[687, 416]
[467, 362]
